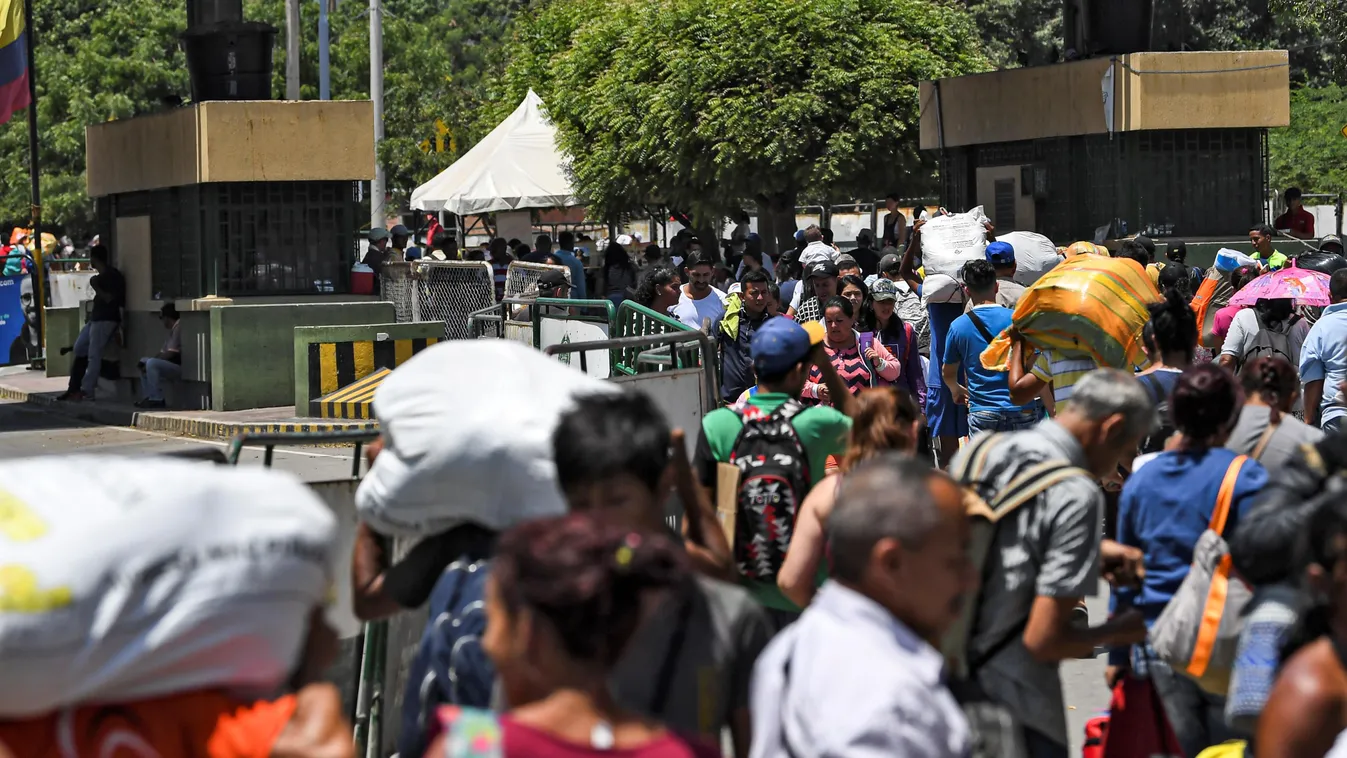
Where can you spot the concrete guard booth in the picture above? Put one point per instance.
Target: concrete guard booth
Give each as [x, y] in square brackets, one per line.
[246, 215]
[1170, 144]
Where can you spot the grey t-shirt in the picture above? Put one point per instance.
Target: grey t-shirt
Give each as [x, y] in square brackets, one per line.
[1046, 548]
[1290, 435]
[723, 631]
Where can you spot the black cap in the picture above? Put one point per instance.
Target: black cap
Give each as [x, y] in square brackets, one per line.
[890, 264]
[552, 278]
[821, 268]
[1147, 243]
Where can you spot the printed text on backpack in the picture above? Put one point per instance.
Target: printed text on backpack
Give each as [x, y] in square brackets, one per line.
[773, 480]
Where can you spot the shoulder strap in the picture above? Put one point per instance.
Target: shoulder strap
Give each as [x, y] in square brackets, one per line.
[1227, 493]
[470, 733]
[668, 667]
[1263, 440]
[981, 327]
[1026, 486]
[969, 468]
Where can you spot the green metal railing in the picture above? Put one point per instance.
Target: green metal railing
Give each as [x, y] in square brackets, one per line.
[634, 320]
[370, 651]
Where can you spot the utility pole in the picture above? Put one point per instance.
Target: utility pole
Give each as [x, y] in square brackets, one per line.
[324, 74]
[378, 190]
[292, 37]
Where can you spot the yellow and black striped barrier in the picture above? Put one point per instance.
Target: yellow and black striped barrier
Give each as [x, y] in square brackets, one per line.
[339, 373]
[355, 401]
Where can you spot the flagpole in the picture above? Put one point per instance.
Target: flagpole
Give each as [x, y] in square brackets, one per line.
[35, 185]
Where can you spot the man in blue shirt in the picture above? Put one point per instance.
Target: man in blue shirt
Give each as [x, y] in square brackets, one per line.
[565, 253]
[1323, 361]
[987, 392]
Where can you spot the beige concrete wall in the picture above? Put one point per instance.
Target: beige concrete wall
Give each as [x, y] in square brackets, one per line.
[142, 153]
[1015, 104]
[1215, 90]
[1234, 89]
[268, 141]
[232, 141]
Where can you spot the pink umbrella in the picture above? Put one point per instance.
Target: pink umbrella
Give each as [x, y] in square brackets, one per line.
[1304, 286]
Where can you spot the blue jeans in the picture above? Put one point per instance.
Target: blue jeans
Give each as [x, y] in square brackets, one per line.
[1334, 425]
[1002, 421]
[90, 344]
[157, 370]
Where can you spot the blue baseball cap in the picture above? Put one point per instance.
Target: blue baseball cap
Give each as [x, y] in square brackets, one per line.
[779, 344]
[799, 235]
[1000, 253]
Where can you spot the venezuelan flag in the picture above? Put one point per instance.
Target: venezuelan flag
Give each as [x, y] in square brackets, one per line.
[13, 59]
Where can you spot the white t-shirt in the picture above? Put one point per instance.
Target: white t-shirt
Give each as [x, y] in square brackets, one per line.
[1245, 326]
[694, 312]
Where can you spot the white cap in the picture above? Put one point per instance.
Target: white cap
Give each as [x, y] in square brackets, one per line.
[624, 239]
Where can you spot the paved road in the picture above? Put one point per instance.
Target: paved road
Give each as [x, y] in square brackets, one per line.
[27, 430]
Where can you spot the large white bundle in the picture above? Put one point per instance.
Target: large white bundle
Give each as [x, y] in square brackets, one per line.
[467, 428]
[124, 578]
[1035, 255]
[950, 241]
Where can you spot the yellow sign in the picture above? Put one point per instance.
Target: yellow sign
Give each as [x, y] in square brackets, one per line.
[1344, 130]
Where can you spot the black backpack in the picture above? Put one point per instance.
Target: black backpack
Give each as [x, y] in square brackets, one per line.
[773, 480]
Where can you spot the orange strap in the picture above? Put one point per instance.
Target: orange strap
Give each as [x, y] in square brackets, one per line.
[1227, 493]
[1211, 619]
[1220, 579]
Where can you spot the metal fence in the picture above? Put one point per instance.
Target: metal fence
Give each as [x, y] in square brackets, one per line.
[447, 291]
[634, 320]
[521, 280]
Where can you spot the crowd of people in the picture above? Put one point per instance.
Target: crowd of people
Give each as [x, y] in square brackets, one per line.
[884, 546]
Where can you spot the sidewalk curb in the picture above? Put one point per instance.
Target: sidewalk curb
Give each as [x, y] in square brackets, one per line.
[168, 423]
[208, 429]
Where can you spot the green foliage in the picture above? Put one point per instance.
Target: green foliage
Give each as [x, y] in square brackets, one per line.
[1019, 33]
[438, 60]
[706, 104]
[1311, 153]
[96, 61]
[117, 59]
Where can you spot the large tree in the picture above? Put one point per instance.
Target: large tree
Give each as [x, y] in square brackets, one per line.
[1311, 153]
[96, 61]
[705, 105]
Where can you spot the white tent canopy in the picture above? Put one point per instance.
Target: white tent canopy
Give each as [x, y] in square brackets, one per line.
[516, 166]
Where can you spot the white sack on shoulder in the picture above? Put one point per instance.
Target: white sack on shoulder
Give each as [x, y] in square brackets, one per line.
[467, 427]
[948, 242]
[1035, 255]
[131, 577]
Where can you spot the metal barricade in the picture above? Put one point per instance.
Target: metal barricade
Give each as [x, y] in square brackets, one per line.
[634, 320]
[370, 687]
[521, 279]
[448, 291]
[683, 395]
[396, 286]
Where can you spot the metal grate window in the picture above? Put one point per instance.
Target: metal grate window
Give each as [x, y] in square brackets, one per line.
[277, 238]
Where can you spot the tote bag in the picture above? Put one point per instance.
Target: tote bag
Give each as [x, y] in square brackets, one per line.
[1198, 632]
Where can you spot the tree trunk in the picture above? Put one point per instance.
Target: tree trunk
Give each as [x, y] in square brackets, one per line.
[776, 222]
[292, 45]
